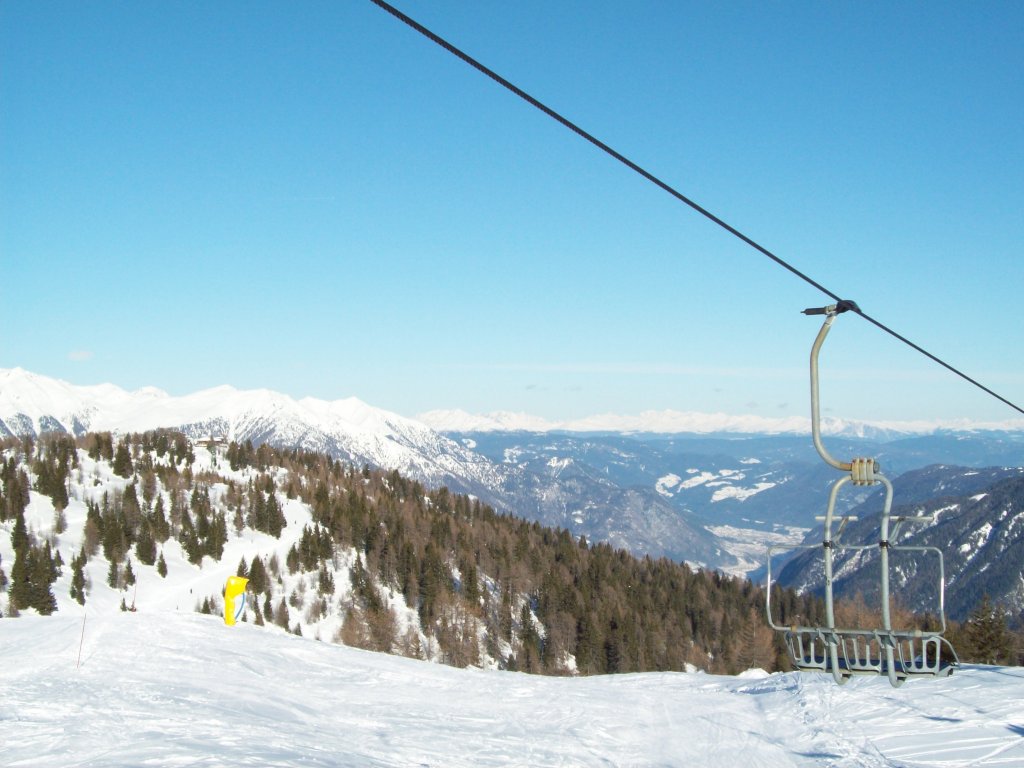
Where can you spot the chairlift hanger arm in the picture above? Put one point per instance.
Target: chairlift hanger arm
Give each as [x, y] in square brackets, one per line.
[862, 470]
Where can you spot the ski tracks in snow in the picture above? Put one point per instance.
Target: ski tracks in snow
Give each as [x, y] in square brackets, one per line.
[182, 690]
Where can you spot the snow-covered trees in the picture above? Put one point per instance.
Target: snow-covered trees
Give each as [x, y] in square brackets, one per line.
[32, 577]
[398, 567]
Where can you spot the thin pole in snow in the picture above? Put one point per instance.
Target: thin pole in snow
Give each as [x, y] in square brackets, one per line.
[81, 640]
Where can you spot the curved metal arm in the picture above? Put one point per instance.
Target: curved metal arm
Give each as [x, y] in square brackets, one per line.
[845, 466]
[861, 470]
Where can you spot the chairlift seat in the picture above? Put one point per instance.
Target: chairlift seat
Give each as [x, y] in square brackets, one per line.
[899, 655]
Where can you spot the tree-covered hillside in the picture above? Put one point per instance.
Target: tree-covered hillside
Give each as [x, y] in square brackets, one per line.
[359, 556]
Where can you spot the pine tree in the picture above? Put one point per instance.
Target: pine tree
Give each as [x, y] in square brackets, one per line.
[78, 577]
[161, 565]
[217, 536]
[505, 621]
[325, 582]
[19, 536]
[292, 560]
[60, 520]
[123, 461]
[257, 517]
[149, 486]
[59, 492]
[259, 582]
[20, 592]
[115, 536]
[988, 640]
[529, 659]
[160, 527]
[275, 516]
[129, 574]
[42, 580]
[93, 528]
[268, 608]
[189, 539]
[53, 562]
[145, 544]
[131, 510]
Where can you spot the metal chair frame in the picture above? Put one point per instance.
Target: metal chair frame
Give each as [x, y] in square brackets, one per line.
[844, 652]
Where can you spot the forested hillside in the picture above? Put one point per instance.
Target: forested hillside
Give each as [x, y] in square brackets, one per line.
[359, 556]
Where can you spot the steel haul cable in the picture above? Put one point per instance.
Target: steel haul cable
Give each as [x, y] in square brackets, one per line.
[672, 191]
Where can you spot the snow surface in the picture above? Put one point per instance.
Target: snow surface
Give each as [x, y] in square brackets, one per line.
[172, 689]
[665, 485]
[165, 686]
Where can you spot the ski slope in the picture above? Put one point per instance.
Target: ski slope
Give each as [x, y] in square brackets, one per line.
[173, 688]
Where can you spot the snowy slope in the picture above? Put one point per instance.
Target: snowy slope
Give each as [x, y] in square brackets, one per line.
[171, 689]
[186, 584]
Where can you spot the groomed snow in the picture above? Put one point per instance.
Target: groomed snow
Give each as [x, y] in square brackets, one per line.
[173, 689]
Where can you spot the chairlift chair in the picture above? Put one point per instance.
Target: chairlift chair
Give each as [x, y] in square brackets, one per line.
[899, 654]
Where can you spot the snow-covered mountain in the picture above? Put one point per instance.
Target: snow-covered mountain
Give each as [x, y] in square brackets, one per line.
[354, 431]
[748, 481]
[710, 499]
[976, 520]
[348, 429]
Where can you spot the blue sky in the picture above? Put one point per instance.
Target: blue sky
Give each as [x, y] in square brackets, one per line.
[312, 198]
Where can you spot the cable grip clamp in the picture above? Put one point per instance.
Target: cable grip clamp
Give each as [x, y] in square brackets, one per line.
[862, 471]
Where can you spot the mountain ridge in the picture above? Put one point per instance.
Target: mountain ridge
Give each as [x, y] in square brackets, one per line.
[652, 493]
[670, 421]
[974, 518]
[362, 434]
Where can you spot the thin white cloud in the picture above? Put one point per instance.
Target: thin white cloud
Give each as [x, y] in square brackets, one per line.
[636, 369]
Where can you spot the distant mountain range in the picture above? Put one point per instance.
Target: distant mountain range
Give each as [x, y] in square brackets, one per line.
[348, 429]
[354, 431]
[690, 422]
[708, 497]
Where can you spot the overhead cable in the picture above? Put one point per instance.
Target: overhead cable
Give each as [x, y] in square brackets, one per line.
[670, 190]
